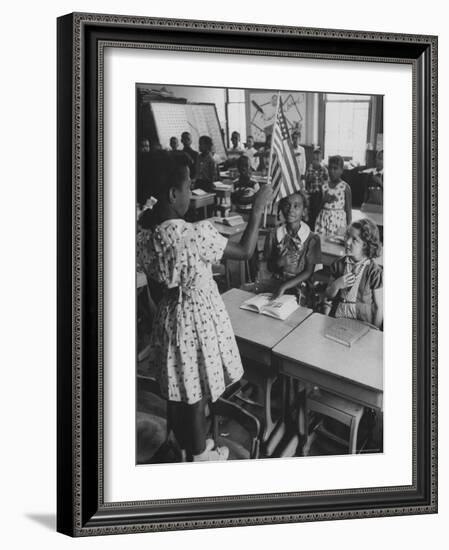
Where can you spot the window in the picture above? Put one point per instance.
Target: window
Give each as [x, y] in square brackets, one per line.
[346, 126]
[236, 112]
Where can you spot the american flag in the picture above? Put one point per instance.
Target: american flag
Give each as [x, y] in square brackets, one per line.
[285, 176]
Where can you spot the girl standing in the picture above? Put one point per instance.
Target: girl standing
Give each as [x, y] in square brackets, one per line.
[192, 344]
[335, 213]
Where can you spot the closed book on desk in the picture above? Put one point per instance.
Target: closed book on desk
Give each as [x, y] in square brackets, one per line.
[346, 331]
[232, 221]
[281, 308]
[220, 186]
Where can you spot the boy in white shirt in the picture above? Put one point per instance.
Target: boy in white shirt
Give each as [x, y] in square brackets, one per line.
[299, 151]
[251, 152]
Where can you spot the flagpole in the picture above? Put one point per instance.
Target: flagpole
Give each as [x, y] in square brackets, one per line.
[271, 154]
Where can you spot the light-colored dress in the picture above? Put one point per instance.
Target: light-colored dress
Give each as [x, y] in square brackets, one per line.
[192, 344]
[332, 217]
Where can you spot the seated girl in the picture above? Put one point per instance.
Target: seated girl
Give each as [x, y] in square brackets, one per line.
[292, 250]
[356, 279]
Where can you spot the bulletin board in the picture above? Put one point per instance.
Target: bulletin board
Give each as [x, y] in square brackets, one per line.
[261, 110]
[172, 119]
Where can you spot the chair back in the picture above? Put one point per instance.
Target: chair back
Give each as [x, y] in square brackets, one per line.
[250, 423]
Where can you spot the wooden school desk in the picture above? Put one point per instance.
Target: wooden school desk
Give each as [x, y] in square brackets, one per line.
[226, 230]
[256, 336]
[355, 373]
[202, 201]
[375, 217]
[331, 251]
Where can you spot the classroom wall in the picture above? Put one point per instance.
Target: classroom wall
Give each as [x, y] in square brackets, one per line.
[28, 279]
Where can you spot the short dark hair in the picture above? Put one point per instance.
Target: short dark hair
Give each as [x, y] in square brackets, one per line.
[241, 159]
[369, 233]
[235, 133]
[207, 140]
[298, 192]
[337, 159]
[168, 171]
[185, 134]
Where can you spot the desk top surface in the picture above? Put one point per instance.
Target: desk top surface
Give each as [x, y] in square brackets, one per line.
[331, 248]
[334, 250]
[256, 328]
[375, 217]
[362, 363]
[199, 198]
[226, 230]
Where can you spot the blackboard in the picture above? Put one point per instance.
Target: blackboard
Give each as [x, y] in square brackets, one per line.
[172, 119]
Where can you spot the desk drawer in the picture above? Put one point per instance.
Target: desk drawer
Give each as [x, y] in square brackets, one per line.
[340, 386]
[259, 354]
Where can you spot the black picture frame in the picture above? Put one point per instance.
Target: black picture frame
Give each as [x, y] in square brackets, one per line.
[81, 510]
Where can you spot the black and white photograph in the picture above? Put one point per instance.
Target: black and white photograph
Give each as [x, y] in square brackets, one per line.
[259, 273]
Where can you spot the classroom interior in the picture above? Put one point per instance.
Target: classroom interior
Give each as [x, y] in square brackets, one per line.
[302, 393]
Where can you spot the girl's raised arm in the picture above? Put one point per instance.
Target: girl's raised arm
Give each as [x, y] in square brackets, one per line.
[244, 249]
[348, 204]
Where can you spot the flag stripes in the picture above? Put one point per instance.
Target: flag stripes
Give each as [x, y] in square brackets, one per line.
[285, 176]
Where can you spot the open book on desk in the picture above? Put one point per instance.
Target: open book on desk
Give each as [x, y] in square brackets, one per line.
[281, 308]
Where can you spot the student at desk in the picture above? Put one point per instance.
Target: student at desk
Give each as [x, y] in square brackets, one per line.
[244, 187]
[206, 168]
[192, 345]
[186, 140]
[356, 279]
[292, 250]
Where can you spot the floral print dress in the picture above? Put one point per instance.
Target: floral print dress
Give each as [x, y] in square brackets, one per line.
[192, 344]
[332, 217]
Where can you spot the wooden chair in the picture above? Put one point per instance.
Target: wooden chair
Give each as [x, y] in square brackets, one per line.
[227, 414]
[342, 410]
[169, 443]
